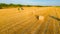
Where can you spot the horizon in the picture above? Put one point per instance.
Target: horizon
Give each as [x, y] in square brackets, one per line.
[33, 2]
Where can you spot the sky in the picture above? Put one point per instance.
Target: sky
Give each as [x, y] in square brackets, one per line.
[33, 2]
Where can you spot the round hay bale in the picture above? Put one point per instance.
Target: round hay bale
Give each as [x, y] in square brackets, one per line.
[41, 18]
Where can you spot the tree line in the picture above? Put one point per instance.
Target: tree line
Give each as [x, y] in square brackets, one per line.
[2, 5]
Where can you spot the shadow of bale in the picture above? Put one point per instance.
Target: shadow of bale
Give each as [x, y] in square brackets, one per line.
[55, 18]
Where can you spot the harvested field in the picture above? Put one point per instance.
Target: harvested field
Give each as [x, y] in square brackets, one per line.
[14, 21]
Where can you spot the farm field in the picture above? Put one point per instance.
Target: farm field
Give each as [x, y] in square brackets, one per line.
[14, 21]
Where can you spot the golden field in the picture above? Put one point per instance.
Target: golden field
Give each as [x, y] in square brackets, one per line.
[14, 21]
